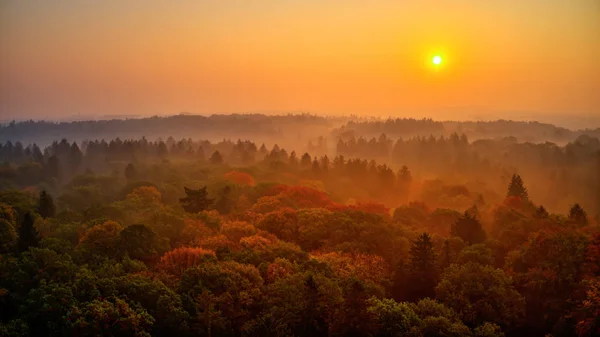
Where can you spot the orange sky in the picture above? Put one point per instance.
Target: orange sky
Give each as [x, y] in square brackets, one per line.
[63, 58]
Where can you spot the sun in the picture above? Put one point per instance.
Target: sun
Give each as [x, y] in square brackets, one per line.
[437, 60]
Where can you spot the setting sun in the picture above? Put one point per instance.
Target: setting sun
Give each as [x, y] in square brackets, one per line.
[437, 60]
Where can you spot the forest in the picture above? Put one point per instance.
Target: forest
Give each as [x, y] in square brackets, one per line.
[298, 225]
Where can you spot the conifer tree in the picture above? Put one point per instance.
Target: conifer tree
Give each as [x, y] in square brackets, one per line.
[28, 234]
[216, 158]
[46, 207]
[131, 172]
[578, 215]
[469, 229]
[195, 200]
[516, 188]
[422, 268]
[541, 212]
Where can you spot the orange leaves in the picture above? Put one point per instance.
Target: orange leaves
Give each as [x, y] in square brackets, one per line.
[178, 260]
[369, 207]
[364, 266]
[301, 196]
[144, 198]
[194, 229]
[239, 178]
[101, 239]
[237, 229]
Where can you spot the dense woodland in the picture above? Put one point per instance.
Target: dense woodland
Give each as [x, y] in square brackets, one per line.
[362, 231]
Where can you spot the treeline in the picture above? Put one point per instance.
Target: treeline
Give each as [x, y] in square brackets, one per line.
[555, 172]
[214, 127]
[409, 127]
[177, 247]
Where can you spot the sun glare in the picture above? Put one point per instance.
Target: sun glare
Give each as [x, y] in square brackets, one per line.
[437, 60]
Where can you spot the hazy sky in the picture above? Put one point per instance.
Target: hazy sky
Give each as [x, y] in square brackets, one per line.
[63, 58]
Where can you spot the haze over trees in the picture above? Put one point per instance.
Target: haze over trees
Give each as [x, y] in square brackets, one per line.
[345, 227]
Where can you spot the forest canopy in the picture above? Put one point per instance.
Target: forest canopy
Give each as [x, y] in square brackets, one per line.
[357, 228]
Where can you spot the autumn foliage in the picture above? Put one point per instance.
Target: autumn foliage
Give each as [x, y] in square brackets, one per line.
[239, 178]
[178, 260]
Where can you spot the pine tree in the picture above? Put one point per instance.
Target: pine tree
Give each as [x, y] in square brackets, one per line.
[196, 200]
[578, 215]
[306, 160]
[216, 158]
[224, 203]
[541, 213]
[422, 268]
[28, 234]
[469, 229]
[46, 207]
[516, 188]
[131, 172]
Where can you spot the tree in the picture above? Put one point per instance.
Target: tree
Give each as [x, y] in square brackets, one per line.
[46, 207]
[516, 188]
[52, 169]
[216, 158]
[131, 172]
[196, 200]
[541, 213]
[469, 229]
[422, 269]
[101, 240]
[480, 294]
[224, 202]
[8, 236]
[578, 215]
[28, 234]
[110, 317]
[141, 243]
[306, 160]
[392, 318]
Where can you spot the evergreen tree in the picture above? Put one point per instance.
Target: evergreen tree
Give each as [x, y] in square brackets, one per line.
[422, 268]
[541, 213]
[196, 200]
[224, 203]
[75, 158]
[28, 234]
[306, 160]
[131, 172]
[293, 159]
[578, 215]
[46, 207]
[163, 150]
[216, 158]
[469, 229]
[52, 169]
[516, 188]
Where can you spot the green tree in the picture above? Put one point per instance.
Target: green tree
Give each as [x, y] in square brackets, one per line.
[46, 207]
[216, 158]
[516, 188]
[488, 329]
[478, 253]
[28, 234]
[392, 318]
[469, 229]
[422, 271]
[196, 200]
[224, 203]
[131, 173]
[541, 213]
[8, 236]
[141, 243]
[480, 294]
[578, 215]
[110, 317]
